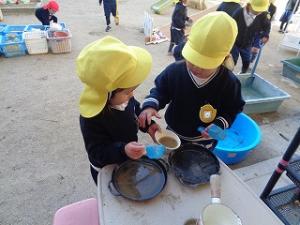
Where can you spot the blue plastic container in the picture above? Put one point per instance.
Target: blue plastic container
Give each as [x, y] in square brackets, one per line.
[11, 47]
[241, 138]
[14, 29]
[35, 26]
[2, 27]
[291, 69]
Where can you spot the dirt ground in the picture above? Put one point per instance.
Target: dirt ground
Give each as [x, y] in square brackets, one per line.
[43, 164]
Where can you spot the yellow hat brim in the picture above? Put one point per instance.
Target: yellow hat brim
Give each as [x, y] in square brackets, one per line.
[91, 102]
[199, 60]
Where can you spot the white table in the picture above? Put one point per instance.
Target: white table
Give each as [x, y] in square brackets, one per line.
[177, 203]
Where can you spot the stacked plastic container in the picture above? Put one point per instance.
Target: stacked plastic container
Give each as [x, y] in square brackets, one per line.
[35, 39]
[12, 43]
[17, 40]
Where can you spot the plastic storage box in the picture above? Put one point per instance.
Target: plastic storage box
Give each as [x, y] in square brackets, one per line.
[59, 41]
[12, 44]
[36, 42]
[32, 27]
[14, 29]
[2, 28]
[291, 69]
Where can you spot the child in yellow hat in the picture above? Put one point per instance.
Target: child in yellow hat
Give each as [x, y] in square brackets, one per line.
[200, 90]
[252, 20]
[111, 71]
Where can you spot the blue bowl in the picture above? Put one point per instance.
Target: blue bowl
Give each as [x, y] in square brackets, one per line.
[241, 138]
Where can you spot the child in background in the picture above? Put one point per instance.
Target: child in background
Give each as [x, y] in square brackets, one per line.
[179, 19]
[229, 6]
[251, 20]
[111, 71]
[110, 7]
[46, 13]
[261, 38]
[200, 90]
[286, 16]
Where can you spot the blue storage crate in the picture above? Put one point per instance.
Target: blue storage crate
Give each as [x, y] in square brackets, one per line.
[35, 26]
[291, 69]
[14, 29]
[2, 27]
[12, 44]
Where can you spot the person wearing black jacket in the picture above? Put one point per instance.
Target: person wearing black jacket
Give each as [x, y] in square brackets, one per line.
[179, 18]
[251, 20]
[46, 13]
[108, 110]
[229, 6]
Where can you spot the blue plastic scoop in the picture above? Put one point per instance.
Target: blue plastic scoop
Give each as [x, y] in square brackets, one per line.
[214, 132]
[155, 151]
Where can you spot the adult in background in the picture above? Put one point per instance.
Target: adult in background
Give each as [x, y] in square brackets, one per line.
[45, 14]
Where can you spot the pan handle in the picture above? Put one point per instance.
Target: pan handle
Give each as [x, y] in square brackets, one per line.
[112, 189]
[165, 164]
[215, 188]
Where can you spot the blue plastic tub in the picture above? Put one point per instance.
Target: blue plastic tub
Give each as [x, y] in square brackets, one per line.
[12, 45]
[241, 138]
[35, 26]
[2, 27]
[14, 29]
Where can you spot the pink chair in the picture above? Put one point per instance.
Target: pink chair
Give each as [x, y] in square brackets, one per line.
[84, 212]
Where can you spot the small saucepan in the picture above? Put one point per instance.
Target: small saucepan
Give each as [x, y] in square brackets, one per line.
[193, 164]
[139, 180]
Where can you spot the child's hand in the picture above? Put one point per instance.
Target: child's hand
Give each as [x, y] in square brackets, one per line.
[152, 130]
[135, 150]
[146, 116]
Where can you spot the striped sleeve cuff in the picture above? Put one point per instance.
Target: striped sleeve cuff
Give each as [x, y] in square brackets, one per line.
[221, 122]
[150, 102]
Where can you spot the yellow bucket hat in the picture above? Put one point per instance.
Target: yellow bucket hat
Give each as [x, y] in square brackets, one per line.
[210, 40]
[259, 5]
[236, 1]
[106, 65]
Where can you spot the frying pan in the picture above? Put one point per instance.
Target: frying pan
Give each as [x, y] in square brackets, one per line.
[139, 180]
[193, 164]
[216, 213]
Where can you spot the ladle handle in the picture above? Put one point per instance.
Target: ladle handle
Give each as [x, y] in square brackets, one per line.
[215, 188]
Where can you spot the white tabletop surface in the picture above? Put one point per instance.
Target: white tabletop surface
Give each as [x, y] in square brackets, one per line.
[178, 203]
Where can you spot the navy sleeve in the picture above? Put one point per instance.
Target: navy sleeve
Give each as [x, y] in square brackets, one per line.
[54, 19]
[159, 96]
[232, 103]
[101, 150]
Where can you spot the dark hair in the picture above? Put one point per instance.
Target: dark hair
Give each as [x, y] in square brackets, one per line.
[113, 93]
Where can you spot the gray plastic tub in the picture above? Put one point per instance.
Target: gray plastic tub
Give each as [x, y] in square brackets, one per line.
[261, 96]
[291, 69]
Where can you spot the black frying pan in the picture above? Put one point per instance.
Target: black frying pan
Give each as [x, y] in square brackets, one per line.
[193, 164]
[139, 180]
